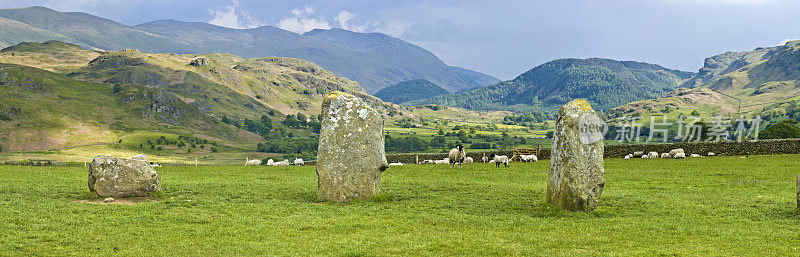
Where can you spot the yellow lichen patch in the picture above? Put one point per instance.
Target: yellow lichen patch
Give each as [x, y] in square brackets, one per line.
[332, 96]
[582, 104]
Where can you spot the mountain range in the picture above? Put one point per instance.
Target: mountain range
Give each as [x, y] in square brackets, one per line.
[374, 60]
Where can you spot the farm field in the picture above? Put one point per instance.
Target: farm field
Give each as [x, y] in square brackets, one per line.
[712, 206]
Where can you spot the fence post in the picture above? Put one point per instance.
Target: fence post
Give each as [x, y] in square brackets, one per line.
[195, 162]
[417, 159]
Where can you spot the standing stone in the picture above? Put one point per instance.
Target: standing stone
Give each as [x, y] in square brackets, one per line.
[351, 153]
[122, 177]
[576, 178]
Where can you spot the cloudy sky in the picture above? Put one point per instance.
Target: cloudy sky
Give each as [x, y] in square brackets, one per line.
[500, 38]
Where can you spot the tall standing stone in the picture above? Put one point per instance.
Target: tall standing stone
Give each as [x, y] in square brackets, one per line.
[122, 177]
[351, 154]
[576, 178]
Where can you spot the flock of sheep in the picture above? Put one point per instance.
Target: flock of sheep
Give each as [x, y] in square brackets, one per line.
[270, 162]
[459, 156]
[674, 153]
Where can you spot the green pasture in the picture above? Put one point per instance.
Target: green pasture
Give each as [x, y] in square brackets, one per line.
[712, 206]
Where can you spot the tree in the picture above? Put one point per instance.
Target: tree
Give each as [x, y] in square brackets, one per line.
[783, 129]
[266, 121]
[290, 121]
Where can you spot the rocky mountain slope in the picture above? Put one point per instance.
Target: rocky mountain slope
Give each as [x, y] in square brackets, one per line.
[764, 81]
[44, 110]
[89, 96]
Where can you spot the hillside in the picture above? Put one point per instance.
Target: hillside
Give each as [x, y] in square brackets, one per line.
[51, 55]
[187, 94]
[410, 90]
[766, 80]
[374, 60]
[42, 110]
[15, 32]
[481, 79]
[221, 84]
[423, 63]
[605, 83]
[93, 31]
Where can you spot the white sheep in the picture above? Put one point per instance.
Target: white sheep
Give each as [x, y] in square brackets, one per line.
[528, 158]
[498, 159]
[270, 162]
[673, 152]
[428, 162]
[645, 157]
[627, 157]
[254, 162]
[665, 155]
[283, 163]
[396, 164]
[457, 155]
[679, 156]
[469, 160]
[711, 154]
[299, 162]
[638, 154]
[441, 161]
[492, 161]
[652, 155]
[694, 155]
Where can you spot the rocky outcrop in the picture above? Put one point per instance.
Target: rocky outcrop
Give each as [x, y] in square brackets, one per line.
[351, 153]
[199, 62]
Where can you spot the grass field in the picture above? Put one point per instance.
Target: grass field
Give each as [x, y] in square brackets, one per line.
[723, 206]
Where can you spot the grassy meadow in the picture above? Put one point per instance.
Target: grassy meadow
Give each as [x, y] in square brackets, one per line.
[719, 206]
